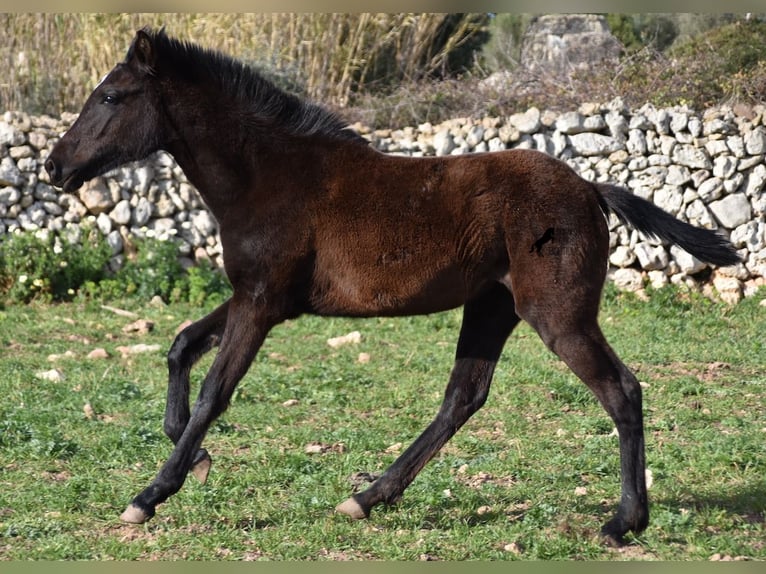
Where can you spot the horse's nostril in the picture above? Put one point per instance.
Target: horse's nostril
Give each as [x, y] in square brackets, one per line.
[50, 167]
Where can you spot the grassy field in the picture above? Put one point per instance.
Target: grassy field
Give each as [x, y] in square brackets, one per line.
[532, 476]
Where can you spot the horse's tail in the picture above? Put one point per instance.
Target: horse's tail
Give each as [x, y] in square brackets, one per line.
[705, 244]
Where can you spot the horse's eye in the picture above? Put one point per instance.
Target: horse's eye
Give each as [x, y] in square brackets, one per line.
[109, 99]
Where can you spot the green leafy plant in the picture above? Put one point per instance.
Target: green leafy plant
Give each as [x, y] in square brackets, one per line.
[50, 268]
[153, 271]
[47, 268]
[206, 284]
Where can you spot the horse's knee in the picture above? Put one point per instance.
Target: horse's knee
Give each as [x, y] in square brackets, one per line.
[175, 423]
[177, 352]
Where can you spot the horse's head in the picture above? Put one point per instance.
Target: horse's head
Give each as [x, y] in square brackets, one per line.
[118, 123]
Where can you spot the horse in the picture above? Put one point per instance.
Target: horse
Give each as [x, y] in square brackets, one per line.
[314, 220]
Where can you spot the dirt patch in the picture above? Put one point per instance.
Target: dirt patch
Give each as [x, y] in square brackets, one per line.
[705, 373]
[344, 555]
[633, 551]
[481, 478]
[57, 476]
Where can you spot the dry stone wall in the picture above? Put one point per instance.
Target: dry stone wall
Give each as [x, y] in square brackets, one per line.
[707, 169]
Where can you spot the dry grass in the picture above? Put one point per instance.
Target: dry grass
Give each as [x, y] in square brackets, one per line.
[50, 62]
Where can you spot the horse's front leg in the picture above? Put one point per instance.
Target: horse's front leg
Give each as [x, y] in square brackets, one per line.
[246, 328]
[187, 348]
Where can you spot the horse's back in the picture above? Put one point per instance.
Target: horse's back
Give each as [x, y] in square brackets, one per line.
[398, 235]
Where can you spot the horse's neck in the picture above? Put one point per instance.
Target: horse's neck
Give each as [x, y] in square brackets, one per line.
[205, 150]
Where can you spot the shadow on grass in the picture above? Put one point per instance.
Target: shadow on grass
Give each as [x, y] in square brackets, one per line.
[746, 502]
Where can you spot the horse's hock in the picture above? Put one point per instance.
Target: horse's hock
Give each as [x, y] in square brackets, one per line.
[707, 169]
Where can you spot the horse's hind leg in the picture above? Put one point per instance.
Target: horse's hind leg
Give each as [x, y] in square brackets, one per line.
[487, 322]
[567, 324]
[187, 348]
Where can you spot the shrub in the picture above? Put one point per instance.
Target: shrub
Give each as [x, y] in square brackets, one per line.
[206, 284]
[154, 270]
[41, 266]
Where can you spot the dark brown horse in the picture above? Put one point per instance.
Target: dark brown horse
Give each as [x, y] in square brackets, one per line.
[314, 220]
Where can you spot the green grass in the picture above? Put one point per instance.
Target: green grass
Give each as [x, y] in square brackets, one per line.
[532, 476]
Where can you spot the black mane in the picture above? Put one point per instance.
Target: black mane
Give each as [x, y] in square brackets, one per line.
[280, 110]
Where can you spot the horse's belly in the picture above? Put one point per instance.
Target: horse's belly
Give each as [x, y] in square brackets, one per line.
[379, 290]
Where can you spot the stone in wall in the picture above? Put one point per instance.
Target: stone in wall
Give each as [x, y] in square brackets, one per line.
[558, 43]
[707, 169]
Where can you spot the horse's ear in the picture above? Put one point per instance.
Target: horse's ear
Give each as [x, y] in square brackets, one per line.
[141, 52]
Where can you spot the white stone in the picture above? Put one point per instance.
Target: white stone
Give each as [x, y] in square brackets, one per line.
[651, 257]
[591, 144]
[10, 174]
[443, 142]
[570, 123]
[755, 141]
[751, 235]
[639, 122]
[695, 126]
[687, 263]
[121, 213]
[114, 239]
[9, 195]
[670, 198]
[732, 184]
[496, 144]
[628, 279]
[729, 288]
[759, 206]
[659, 159]
[678, 175]
[657, 278]
[724, 166]
[52, 208]
[474, 136]
[104, 223]
[10, 136]
[736, 145]
[755, 180]
[662, 121]
[204, 222]
[527, 122]
[716, 147]
[636, 143]
[678, 121]
[37, 214]
[692, 157]
[710, 189]
[96, 196]
[731, 211]
[622, 256]
[594, 123]
[143, 176]
[142, 212]
[698, 214]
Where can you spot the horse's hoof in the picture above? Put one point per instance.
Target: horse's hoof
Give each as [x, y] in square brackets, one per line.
[201, 467]
[134, 515]
[612, 540]
[613, 533]
[351, 508]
